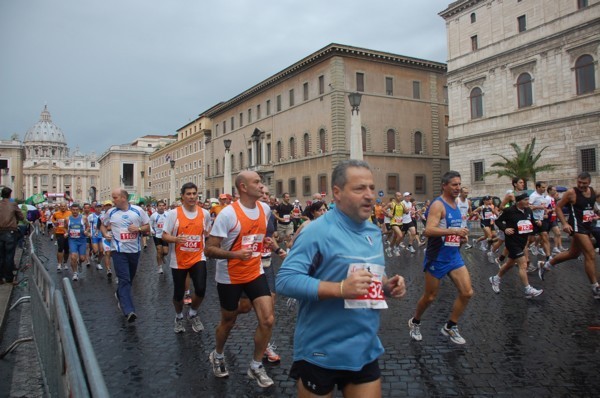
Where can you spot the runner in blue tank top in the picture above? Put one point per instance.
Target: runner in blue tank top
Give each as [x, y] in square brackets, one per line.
[446, 234]
[77, 228]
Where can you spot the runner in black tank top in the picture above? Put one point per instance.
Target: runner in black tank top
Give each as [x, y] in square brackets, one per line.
[581, 200]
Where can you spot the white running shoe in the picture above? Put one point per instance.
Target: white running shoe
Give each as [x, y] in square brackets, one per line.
[178, 328]
[556, 250]
[99, 266]
[533, 249]
[261, 377]
[454, 335]
[414, 330]
[495, 281]
[531, 292]
[75, 276]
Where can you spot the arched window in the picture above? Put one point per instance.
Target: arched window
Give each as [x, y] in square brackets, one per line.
[363, 136]
[473, 17]
[279, 151]
[292, 148]
[476, 99]
[524, 90]
[322, 140]
[306, 145]
[391, 141]
[418, 143]
[584, 74]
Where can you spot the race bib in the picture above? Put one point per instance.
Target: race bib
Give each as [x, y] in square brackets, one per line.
[524, 227]
[193, 243]
[266, 250]
[488, 215]
[74, 233]
[286, 218]
[374, 299]
[255, 242]
[159, 225]
[398, 220]
[452, 240]
[61, 222]
[128, 236]
[588, 215]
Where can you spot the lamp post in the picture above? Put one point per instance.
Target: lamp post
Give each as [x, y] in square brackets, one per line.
[356, 146]
[172, 190]
[227, 168]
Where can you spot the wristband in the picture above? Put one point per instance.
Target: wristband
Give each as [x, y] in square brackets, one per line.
[342, 288]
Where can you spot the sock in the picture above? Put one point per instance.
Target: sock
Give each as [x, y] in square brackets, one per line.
[187, 292]
[449, 324]
[501, 258]
[180, 315]
[416, 321]
[219, 356]
[255, 365]
[594, 285]
[192, 312]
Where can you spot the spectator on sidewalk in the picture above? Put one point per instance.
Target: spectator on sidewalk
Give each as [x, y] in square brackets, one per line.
[10, 215]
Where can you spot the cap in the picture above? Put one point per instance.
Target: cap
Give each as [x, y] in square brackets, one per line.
[223, 196]
[487, 197]
[296, 201]
[407, 193]
[522, 196]
[107, 202]
[378, 200]
[98, 204]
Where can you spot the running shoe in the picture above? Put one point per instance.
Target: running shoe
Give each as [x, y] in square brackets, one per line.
[531, 292]
[396, 252]
[454, 335]
[187, 300]
[543, 267]
[491, 257]
[533, 249]
[99, 267]
[483, 246]
[411, 249]
[531, 268]
[270, 354]
[179, 328]
[495, 281]
[59, 268]
[291, 304]
[402, 245]
[75, 276]
[556, 250]
[541, 252]
[197, 325]
[131, 317]
[118, 301]
[596, 292]
[414, 330]
[388, 251]
[467, 246]
[52, 237]
[261, 377]
[109, 273]
[160, 270]
[497, 261]
[218, 365]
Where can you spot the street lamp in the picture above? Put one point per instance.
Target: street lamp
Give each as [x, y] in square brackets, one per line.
[356, 146]
[172, 190]
[227, 168]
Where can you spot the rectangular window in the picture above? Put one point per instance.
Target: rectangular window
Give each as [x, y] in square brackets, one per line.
[305, 91]
[306, 186]
[474, 44]
[522, 22]
[588, 160]
[232, 125]
[279, 103]
[242, 119]
[292, 187]
[127, 174]
[323, 184]
[258, 112]
[291, 97]
[582, 4]
[224, 126]
[360, 81]
[420, 184]
[268, 152]
[278, 188]
[217, 130]
[268, 107]
[321, 84]
[393, 182]
[416, 90]
[445, 94]
[478, 170]
[249, 115]
[389, 86]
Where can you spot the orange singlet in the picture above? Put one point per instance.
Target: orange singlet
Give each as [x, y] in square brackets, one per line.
[190, 252]
[252, 233]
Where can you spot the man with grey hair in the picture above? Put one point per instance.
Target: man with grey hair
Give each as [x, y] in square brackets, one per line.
[336, 271]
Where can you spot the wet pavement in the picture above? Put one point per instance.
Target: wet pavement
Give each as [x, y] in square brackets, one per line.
[544, 347]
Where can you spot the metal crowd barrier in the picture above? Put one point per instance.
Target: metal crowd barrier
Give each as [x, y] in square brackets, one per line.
[68, 363]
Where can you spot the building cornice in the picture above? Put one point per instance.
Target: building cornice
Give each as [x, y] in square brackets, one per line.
[458, 7]
[325, 53]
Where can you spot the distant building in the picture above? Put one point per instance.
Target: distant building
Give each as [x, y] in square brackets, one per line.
[127, 166]
[293, 127]
[518, 70]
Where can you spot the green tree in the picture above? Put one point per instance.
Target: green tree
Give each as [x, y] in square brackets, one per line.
[523, 165]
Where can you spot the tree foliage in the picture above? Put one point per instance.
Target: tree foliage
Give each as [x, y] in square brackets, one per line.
[523, 165]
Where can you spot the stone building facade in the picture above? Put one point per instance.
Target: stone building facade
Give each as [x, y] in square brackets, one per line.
[519, 70]
[293, 127]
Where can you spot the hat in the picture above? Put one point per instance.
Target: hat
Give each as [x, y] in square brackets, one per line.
[378, 200]
[98, 204]
[296, 201]
[487, 197]
[107, 202]
[407, 193]
[223, 196]
[522, 196]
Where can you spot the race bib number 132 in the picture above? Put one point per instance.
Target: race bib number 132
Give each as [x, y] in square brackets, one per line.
[374, 299]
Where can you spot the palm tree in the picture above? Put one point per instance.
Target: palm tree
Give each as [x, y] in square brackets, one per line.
[523, 165]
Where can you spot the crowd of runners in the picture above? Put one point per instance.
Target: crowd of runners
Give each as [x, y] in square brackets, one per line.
[334, 259]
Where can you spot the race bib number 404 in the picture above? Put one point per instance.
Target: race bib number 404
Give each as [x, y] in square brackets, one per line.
[374, 299]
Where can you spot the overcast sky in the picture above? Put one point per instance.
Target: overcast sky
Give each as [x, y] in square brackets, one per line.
[114, 70]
